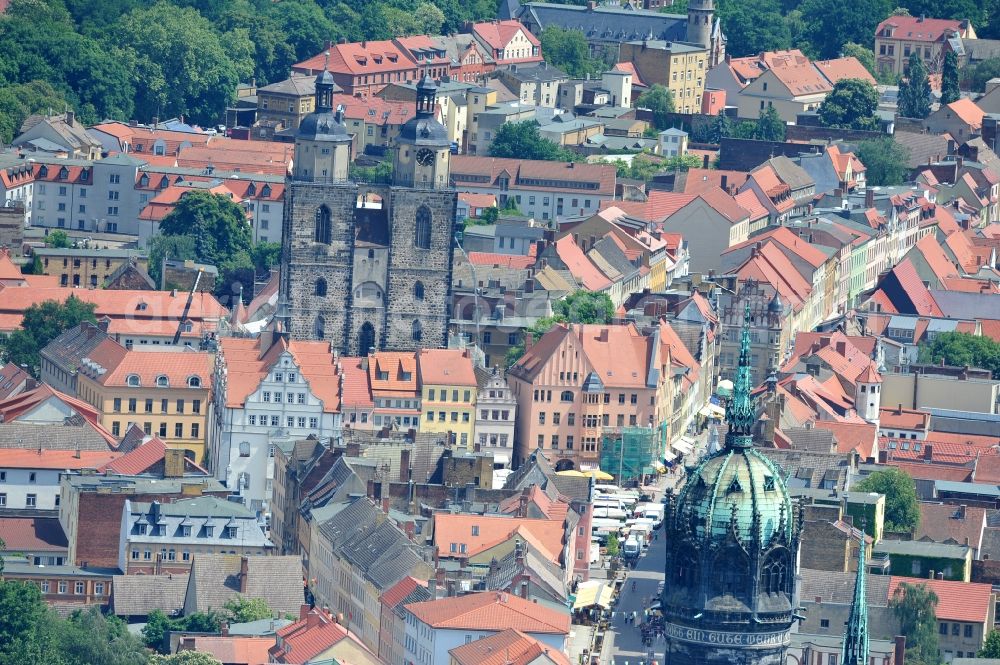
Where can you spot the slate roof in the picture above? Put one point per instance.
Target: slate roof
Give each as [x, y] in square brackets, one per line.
[215, 579]
[138, 595]
[609, 24]
[68, 349]
[543, 572]
[838, 587]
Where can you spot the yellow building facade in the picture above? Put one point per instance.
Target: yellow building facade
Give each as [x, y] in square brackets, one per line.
[166, 393]
[448, 393]
[86, 267]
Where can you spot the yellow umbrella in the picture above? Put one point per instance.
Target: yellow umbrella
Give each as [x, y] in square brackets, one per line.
[597, 474]
[571, 472]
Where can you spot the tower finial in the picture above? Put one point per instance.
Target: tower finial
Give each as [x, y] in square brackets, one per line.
[855, 651]
[739, 411]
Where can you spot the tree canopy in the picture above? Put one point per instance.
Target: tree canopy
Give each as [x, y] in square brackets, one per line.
[522, 140]
[915, 90]
[961, 349]
[829, 24]
[902, 512]
[991, 648]
[886, 162]
[660, 100]
[949, 79]
[770, 126]
[568, 50]
[242, 609]
[851, 105]
[42, 323]
[752, 26]
[915, 607]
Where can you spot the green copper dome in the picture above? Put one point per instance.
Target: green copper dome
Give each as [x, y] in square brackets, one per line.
[739, 492]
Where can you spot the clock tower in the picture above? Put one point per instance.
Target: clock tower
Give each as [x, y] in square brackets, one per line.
[422, 147]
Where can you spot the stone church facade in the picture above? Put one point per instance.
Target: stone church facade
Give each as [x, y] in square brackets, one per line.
[368, 265]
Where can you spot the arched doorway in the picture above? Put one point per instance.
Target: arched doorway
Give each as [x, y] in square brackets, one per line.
[366, 339]
[565, 465]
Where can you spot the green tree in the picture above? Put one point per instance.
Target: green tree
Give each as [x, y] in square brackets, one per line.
[522, 140]
[568, 50]
[183, 65]
[87, 637]
[169, 247]
[641, 167]
[961, 349]
[770, 126]
[23, 619]
[829, 24]
[612, 547]
[154, 633]
[42, 323]
[949, 79]
[915, 90]
[242, 610]
[57, 239]
[18, 101]
[752, 26]
[221, 235]
[851, 105]
[200, 622]
[185, 658]
[681, 163]
[266, 255]
[902, 512]
[915, 607]
[991, 648]
[886, 162]
[660, 100]
[974, 77]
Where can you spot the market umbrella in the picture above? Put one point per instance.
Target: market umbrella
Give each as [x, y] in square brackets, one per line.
[572, 473]
[597, 474]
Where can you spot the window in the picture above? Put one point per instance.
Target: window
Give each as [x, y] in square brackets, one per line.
[313, 423]
[194, 430]
[422, 231]
[116, 428]
[178, 430]
[290, 398]
[3, 499]
[300, 398]
[566, 396]
[132, 380]
[45, 586]
[824, 623]
[163, 430]
[266, 396]
[194, 382]
[63, 586]
[954, 629]
[149, 406]
[416, 331]
[324, 226]
[180, 406]
[196, 406]
[943, 628]
[320, 287]
[244, 449]
[31, 501]
[131, 405]
[418, 290]
[968, 630]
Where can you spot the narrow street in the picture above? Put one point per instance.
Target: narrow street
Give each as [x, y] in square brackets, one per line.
[623, 643]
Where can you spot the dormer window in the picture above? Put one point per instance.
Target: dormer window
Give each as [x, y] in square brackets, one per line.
[194, 382]
[266, 191]
[186, 531]
[43, 172]
[209, 530]
[231, 531]
[133, 380]
[252, 190]
[141, 307]
[162, 381]
[140, 529]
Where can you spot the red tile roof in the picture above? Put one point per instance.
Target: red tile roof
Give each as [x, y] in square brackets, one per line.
[658, 206]
[802, 79]
[699, 179]
[968, 112]
[501, 260]
[399, 369]
[860, 437]
[899, 418]
[725, 205]
[498, 610]
[482, 532]
[400, 590]
[33, 534]
[909, 280]
[957, 601]
[40, 458]
[356, 391]
[371, 57]
[138, 460]
[581, 267]
[451, 367]
[918, 28]
[498, 34]
[304, 640]
[233, 649]
[630, 68]
[844, 68]
[509, 647]
[922, 471]
[177, 366]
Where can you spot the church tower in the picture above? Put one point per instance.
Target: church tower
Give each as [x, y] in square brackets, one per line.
[366, 263]
[700, 22]
[868, 394]
[732, 549]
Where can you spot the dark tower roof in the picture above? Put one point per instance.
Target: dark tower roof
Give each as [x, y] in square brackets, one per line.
[423, 129]
[776, 306]
[324, 124]
[855, 650]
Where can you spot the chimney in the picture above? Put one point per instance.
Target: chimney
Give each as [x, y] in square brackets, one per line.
[961, 514]
[313, 619]
[869, 198]
[404, 466]
[303, 612]
[724, 182]
[224, 628]
[842, 348]
[70, 118]
[385, 505]
[244, 573]
[928, 451]
[704, 162]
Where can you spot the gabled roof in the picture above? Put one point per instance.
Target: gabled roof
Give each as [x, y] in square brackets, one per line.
[844, 68]
[477, 533]
[216, 579]
[957, 601]
[919, 28]
[446, 367]
[802, 79]
[508, 647]
[138, 595]
[497, 610]
[966, 110]
[497, 34]
[582, 268]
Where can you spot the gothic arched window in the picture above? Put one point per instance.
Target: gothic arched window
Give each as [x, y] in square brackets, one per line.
[774, 573]
[321, 287]
[418, 290]
[324, 227]
[422, 235]
[416, 331]
[731, 576]
[366, 339]
[686, 568]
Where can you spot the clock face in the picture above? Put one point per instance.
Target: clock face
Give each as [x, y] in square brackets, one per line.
[425, 157]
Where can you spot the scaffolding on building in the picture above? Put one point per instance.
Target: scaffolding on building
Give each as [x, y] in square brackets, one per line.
[629, 453]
